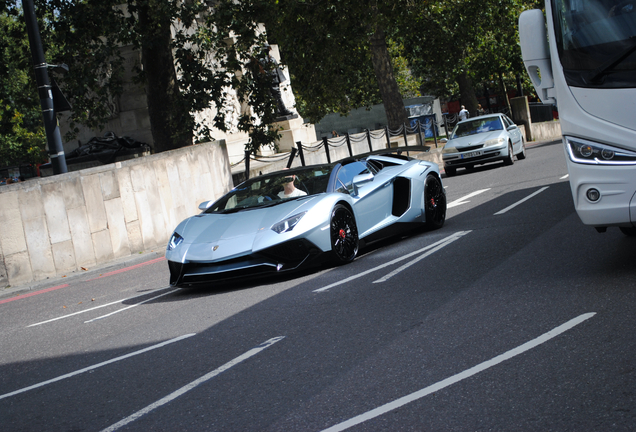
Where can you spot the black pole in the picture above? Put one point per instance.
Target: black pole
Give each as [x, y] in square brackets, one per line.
[53, 137]
[325, 142]
[406, 139]
[434, 127]
[300, 152]
[349, 144]
[369, 140]
[291, 157]
[419, 133]
[387, 132]
[247, 164]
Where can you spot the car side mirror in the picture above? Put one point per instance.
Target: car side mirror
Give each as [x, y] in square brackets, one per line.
[204, 205]
[443, 140]
[511, 127]
[361, 179]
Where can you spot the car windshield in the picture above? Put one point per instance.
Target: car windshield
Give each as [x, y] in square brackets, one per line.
[479, 125]
[596, 40]
[273, 189]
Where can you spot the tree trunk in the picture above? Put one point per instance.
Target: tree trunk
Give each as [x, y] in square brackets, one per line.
[505, 92]
[170, 122]
[389, 90]
[467, 93]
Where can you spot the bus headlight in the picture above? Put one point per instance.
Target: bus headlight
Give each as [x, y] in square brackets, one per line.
[593, 153]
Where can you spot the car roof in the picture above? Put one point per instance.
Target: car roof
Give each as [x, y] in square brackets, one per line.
[482, 117]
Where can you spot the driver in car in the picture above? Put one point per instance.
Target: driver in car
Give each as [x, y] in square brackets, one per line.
[289, 189]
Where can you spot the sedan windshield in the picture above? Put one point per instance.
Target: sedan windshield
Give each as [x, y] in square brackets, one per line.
[476, 126]
[273, 189]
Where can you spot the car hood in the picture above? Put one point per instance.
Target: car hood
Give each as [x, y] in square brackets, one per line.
[473, 140]
[214, 236]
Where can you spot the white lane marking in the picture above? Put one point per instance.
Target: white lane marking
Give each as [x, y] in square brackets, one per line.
[419, 258]
[522, 201]
[402, 258]
[193, 384]
[463, 199]
[460, 376]
[564, 177]
[89, 368]
[129, 307]
[93, 308]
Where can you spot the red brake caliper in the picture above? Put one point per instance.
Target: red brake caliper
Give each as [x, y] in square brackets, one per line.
[342, 234]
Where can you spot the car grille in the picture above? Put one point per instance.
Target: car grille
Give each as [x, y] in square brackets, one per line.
[469, 148]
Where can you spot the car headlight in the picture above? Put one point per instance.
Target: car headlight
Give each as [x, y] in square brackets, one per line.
[449, 150]
[588, 152]
[494, 142]
[287, 224]
[175, 241]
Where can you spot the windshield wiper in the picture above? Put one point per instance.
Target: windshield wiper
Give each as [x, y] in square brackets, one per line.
[605, 68]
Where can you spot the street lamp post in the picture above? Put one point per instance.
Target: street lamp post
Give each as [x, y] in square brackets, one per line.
[53, 137]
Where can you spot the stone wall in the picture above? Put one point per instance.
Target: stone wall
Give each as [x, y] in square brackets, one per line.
[57, 225]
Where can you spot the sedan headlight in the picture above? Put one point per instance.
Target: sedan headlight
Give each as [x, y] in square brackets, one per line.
[449, 150]
[175, 241]
[494, 142]
[287, 224]
[588, 152]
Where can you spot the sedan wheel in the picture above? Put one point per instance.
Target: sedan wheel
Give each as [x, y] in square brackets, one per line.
[511, 157]
[522, 155]
[344, 234]
[434, 203]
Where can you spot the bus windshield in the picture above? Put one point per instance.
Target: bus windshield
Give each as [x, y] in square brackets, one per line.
[596, 40]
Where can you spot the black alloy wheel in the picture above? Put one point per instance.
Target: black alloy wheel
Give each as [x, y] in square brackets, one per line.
[434, 203]
[344, 234]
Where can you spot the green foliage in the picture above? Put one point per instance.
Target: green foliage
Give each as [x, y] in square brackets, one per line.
[22, 138]
[476, 37]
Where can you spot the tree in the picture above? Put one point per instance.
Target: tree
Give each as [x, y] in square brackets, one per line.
[454, 43]
[22, 137]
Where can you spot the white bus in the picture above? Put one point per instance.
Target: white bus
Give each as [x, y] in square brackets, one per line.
[582, 56]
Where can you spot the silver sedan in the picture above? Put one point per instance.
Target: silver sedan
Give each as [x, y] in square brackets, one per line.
[481, 140]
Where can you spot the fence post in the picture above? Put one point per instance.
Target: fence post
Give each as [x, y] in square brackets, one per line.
[446, 126]
[300, 152]
[387, 132]
[419, 132]
[349, 144]
[369, 140]
[247, 164]
[325, 142]
[291, 157]
[406, 139]
[434, 126]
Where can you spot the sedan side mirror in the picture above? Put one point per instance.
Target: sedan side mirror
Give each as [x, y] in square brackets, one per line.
[443, 140]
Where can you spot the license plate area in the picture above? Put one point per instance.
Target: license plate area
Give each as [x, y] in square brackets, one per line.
[472, 154]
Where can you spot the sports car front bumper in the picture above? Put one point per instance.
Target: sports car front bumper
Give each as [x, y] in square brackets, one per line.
[282, 257]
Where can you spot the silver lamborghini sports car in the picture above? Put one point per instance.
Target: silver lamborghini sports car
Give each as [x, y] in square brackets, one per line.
[284, 220]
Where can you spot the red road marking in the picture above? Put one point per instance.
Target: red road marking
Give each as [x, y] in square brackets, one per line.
[33, 293]
[128, 268]
[65, 285]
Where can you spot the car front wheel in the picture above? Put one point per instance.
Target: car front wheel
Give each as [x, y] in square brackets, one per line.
[511, 157]
[434, 203]
[522, 154]
[344, 234]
